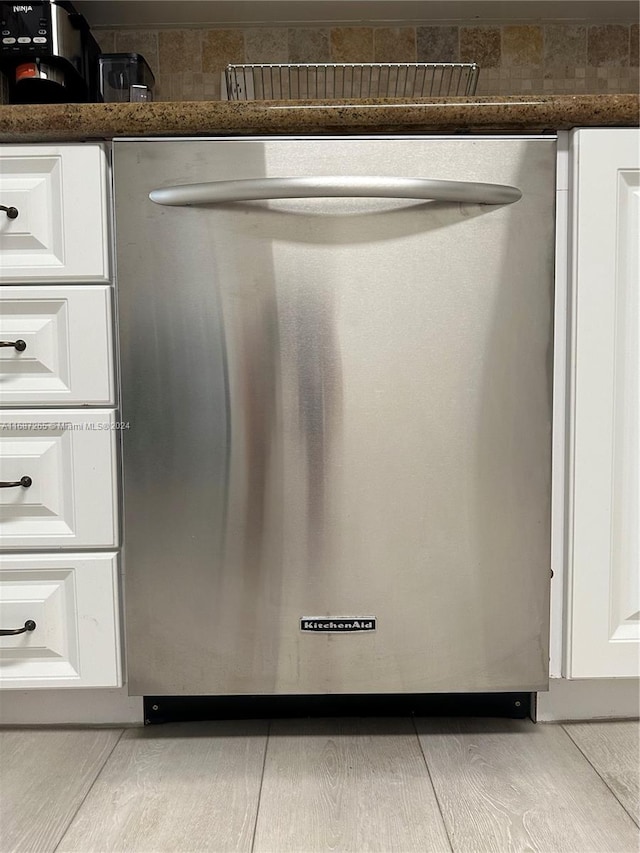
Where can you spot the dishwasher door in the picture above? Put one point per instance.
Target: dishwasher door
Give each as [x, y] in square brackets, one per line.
[337, 464]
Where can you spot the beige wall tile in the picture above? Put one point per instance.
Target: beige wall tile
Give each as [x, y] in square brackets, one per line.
[187, 62]
[268, 44]
[175, 87]
[481, 45]
[106, 39]
[565, 46]
[180, 50]
[162, 91]
[193, 83]
[608, 45]
[437, 44]
[308, 45]
[522, 45]
[139, 41]
[221, 47]
[211, 86]
[394, 44]
[187, 86]
[634, 37]
[352, 44]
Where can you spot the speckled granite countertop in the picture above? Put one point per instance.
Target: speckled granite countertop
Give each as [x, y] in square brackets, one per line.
[66, 122]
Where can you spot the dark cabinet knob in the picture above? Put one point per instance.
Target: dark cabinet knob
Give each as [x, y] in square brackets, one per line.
[12, 212]
[29, 625]
[25, 482]
[20, 345]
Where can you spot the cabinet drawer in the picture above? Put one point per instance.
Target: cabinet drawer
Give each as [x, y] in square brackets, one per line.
[70, 459]
[64, 354]
[60, 232]
[73, 600]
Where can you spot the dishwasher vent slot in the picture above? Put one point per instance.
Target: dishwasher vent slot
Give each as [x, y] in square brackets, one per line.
[320, 81]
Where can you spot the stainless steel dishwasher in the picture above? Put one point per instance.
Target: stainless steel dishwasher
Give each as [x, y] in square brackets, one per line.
[336, 369]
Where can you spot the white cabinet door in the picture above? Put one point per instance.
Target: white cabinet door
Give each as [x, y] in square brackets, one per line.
[62, 351]
[69, 497]
[604, 589]
[59, 198]
[70, 604]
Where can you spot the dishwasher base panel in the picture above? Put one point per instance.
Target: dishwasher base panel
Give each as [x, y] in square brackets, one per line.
[175, 709]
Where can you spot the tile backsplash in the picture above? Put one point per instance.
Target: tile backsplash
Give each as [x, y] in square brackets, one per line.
[514, 59]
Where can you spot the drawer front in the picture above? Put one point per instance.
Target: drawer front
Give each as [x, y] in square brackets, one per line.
[70, 460]
[73, 601]
[60, 232]
[64, 352]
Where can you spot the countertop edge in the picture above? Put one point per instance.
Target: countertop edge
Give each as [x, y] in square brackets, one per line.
[511, 114]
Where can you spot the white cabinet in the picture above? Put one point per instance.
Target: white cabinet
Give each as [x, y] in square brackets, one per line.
[68, 458]
[58, 466]
[603, 630]
[62, 353]
[70, 603]
[57, 228]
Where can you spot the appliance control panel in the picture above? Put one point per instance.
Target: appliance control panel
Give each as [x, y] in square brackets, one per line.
[25, 29]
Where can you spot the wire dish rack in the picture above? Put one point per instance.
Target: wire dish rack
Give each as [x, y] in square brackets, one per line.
[312, 81]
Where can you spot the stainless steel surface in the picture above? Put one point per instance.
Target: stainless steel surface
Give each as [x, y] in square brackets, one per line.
[66, 40]
[337, 407]
[293, 81]
[220, 192]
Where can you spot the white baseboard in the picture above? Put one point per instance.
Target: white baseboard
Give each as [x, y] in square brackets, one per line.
[592, 699]
[60, 707]
[589, 699]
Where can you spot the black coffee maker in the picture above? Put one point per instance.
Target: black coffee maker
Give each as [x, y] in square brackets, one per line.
[47, 53]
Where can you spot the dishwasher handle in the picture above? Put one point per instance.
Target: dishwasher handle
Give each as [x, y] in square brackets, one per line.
[256, 189]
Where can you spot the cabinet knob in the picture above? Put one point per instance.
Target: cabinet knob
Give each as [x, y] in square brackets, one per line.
[12, 212]
[20, 345]
[25, 482]
[29, 625]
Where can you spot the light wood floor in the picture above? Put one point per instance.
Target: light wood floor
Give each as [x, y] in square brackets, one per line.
[388, 785]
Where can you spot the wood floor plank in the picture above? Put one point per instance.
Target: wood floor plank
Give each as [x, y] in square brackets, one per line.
[178, 787]
[347, 785]
[511, 785]
[613, 747]
[44, 776]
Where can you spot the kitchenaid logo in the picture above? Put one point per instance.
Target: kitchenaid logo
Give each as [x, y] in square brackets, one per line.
[343, 625]
[23, 8]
